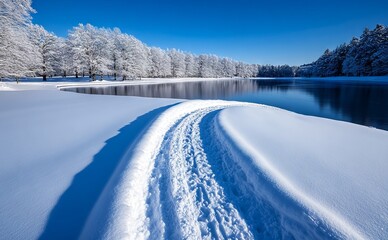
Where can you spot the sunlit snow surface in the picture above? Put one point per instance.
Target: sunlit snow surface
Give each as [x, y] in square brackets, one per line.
[123, 167]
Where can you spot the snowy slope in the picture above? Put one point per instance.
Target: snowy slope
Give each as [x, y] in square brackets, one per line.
[146, 204]
[108, 167]
[47, 138]
[335, 169]
[199, 172]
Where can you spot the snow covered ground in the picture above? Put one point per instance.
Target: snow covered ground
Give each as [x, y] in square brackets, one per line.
[47, 139]
[110, 167]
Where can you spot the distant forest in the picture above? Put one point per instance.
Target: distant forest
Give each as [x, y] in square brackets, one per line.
[28, 50]
[364, 56]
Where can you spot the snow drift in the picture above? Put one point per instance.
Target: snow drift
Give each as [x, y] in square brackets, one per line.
[82, 166]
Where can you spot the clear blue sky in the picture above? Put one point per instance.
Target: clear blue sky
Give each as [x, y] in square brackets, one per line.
[253, 31]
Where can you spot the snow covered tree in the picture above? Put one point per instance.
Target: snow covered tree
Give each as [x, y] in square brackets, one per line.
[160, 63]
[65, 58]
[156, 60]
[15, 12]
[363, 56]
[285, 71]
[165, 65]
[90, 50]
[131, 57]
[212, 66]
[242, 70]
[137, 57]
[379, 58]
[215, 65]
[350, 66]
[252, 70]
[228, 67]
[365, 49]
[321, 65]
[281, 71]
[380, 61]
[334, 63]
[123, 56]
[178, 65]
[115, 52]
[191, 65]
[47, 44]
[16, 49]
[305, 70]
[367, 55]
[204, 66]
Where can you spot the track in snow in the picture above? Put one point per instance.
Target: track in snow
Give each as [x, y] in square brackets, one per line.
[193, 204]
[186, 179]
[201, 189]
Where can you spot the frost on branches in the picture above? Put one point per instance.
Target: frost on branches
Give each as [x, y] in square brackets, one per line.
[16, 49]
[30, 50]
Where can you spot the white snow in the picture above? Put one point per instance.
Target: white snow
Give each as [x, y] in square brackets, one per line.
[127, 217]
[336, 169]
[307, 171]
[47, 137]
[92, 167]
[59, 82]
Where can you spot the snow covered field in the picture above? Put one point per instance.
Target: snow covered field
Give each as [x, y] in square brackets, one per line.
[111, 167]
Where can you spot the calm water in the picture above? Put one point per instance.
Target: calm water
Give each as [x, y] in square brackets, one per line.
[361, 103]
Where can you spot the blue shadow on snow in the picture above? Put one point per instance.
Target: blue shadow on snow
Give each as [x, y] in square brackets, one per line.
[70, 214]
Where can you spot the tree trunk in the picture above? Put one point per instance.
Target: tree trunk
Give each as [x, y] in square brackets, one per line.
[44, 72]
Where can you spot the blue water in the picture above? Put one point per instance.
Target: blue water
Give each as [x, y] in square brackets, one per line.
[360, 102]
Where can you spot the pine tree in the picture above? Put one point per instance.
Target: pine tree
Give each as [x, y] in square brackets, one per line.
[379, 58]
[350, 67]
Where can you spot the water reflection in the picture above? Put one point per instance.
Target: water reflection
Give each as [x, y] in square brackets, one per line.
[361, 104]
[365, 104]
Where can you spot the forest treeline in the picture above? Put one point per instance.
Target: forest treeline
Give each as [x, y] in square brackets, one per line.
[28, 50]
[364, 56]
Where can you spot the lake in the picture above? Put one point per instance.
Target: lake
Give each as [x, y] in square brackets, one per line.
[359, 102]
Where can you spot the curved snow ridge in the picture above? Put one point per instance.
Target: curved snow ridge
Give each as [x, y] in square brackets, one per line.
[190, 197]
[128, 218]
[315, 209]
[175, 187]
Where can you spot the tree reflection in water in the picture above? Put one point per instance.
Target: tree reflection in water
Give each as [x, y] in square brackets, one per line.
[356, 102]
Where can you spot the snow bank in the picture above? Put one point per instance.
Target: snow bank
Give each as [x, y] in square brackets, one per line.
[58, 82]
[335, 169]
[5, 87]
[342, 79]
[47, 139]
[127, 212]
[56, 183]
